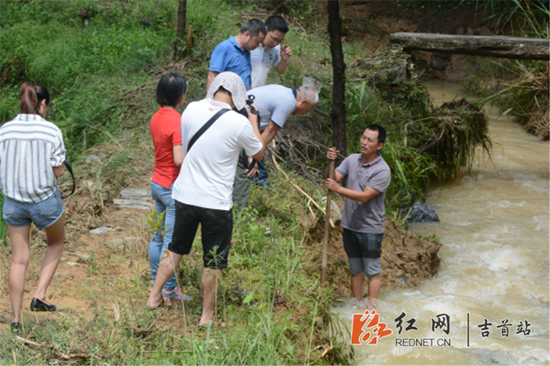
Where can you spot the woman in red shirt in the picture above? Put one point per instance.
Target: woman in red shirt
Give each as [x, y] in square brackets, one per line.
[166, 134]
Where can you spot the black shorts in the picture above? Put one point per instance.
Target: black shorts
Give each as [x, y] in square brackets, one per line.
[362, 245]
[216, 230]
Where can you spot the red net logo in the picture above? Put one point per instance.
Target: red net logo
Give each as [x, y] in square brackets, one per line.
[367, 328]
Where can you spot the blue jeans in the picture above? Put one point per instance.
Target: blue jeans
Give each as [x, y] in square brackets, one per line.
[262, 180]
[163, 203]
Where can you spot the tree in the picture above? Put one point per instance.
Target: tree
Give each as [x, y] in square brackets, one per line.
[338, 112]
[180, 30]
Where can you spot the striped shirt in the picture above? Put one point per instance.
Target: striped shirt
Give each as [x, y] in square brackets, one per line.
[29, 147]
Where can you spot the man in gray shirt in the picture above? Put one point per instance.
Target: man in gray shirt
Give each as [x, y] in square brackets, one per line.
[368, 176]
[275, 103]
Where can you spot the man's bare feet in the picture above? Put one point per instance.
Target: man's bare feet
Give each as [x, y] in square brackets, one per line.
[154, 304]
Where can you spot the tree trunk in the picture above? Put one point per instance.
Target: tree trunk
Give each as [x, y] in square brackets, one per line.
[177, 53]
[338, 112]
[489, 46]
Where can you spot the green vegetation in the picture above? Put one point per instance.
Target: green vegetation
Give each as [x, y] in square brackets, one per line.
[102, 77]
[519, 87]
[270, 296]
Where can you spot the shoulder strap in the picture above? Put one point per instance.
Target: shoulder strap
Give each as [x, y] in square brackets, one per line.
[70, 169]
[205, 127]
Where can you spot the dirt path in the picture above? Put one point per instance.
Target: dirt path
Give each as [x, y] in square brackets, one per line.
[109, 266]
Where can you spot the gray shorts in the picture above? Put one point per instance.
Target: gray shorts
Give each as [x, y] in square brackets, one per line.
[363, 252]
[44, 214]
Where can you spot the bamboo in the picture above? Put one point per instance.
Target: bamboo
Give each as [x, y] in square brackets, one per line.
[298, 188]
[189, 39]
[327, 226]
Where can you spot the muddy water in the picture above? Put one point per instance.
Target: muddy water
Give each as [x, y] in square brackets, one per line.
[495, 265]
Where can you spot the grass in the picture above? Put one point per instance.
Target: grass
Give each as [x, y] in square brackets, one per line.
[103, 78]
[270, 296]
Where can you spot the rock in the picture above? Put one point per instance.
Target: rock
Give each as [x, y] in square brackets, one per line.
[420, 212]
[335, 213]
[93, 159]
[483, 31]
[9, 311]
[83, 256]
[101, 230]
[309, 220]
[135, 193]
[401, 277]
[393, 70]
[72, 264]
[494, 357]
[135, 204]
[437, 64]
[3, 320]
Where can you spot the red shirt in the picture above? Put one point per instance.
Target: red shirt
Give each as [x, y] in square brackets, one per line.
[166, 133]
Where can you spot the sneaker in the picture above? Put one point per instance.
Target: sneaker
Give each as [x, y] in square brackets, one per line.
[176, 295]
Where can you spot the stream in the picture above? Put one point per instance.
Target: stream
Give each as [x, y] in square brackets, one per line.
[491, 293]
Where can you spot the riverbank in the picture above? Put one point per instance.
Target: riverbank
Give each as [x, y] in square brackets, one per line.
[494, 261]
[270, 296]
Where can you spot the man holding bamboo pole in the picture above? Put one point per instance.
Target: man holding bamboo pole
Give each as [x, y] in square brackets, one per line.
[368, 176]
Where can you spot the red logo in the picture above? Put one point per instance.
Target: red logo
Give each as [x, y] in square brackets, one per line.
[366, 328]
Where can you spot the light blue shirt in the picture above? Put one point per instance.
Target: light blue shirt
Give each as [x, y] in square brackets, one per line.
[229, 56]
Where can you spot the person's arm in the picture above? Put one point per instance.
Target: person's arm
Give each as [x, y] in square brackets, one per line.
[269, 133]
[254, 121]
[178, 155]
[361, 196]
[332, 154]
[211, 76]
[59, 170]
[286, 52]
[58, 156]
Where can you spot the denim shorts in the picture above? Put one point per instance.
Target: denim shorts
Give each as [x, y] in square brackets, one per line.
[43, 214]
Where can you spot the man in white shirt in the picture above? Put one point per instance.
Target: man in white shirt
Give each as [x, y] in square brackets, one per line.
[203, 190]
[270, 53]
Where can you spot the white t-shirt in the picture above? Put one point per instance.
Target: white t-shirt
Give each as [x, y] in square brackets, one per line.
[208, 170]
[262, 59]
[275, 103]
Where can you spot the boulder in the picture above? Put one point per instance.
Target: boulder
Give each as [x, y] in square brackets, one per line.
[391, 69]
[420, 212]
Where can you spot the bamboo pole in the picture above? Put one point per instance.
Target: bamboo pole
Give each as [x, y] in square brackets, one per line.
[327, 225]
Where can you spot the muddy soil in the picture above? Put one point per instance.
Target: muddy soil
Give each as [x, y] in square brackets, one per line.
[407, 260]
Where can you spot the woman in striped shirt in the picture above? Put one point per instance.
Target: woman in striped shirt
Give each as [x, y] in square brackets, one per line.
[32, 156]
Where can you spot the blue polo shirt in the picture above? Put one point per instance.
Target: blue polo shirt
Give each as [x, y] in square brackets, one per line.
[229, 56]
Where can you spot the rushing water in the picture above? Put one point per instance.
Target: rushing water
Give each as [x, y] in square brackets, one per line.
[495, 265]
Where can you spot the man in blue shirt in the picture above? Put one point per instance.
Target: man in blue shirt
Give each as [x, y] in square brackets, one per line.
[233, 54]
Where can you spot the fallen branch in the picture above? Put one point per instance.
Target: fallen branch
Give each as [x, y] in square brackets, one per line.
[299, 189]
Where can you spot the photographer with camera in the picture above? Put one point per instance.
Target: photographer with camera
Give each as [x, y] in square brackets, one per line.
[274, 103]
[212, 135]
